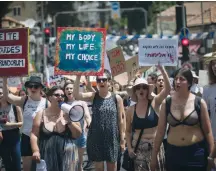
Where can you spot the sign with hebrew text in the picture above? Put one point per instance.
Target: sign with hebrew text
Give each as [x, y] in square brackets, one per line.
[117, 61]
[152, 51]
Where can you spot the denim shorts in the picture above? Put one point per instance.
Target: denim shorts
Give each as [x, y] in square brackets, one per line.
[81, 141]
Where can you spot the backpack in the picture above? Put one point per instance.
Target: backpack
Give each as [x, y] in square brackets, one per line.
[46, 105]
[197, 108]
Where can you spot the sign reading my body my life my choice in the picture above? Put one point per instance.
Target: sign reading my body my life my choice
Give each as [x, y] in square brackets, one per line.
[117, 61]
[14, 52]
[152, 51]
[80, 51]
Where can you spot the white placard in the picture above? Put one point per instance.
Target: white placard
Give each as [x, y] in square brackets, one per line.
[203, 78]
[14, 81]
[92, 78]
[152, 51]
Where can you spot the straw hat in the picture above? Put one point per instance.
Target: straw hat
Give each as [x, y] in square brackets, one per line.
[208, 59]
[139, 81]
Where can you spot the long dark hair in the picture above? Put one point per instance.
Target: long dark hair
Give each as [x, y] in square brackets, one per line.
[212, 77]
[65, 85]
[185, 72]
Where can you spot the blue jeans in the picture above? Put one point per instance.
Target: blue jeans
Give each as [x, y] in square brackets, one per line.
[10, 150]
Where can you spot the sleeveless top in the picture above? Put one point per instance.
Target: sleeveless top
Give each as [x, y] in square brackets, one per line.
[8, 113]
[150, 120]
[30, 109]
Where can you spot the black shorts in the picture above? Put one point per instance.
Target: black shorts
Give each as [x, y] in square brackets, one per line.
[26, 146]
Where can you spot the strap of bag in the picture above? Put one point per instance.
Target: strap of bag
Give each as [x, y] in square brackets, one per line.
[138, 141]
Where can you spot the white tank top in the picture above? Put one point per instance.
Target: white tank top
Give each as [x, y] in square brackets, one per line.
[29, 112]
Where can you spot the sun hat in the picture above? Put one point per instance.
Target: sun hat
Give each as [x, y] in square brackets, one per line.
[34, 79]
[139, 81]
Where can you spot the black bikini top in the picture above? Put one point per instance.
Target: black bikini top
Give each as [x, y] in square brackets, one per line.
[150, 120]
[192, 119]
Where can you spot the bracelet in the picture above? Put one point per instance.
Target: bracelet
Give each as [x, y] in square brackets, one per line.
[210, 158]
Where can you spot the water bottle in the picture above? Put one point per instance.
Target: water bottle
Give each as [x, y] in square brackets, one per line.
[41, 166]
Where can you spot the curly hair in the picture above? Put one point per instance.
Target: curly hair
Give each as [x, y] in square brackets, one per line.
[211, 75]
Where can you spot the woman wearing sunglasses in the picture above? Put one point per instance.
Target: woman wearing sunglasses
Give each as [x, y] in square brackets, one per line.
[10, 122]
[107, 126]
[53, 133]
[85, 122]
[30, 104]
[142, 121]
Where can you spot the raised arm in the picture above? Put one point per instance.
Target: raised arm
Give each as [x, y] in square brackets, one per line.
[162, 123]
[16, 100]
[79, 95]
[166, 90]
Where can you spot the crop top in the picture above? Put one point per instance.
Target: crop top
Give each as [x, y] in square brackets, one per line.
[192, 119]
[150, 120]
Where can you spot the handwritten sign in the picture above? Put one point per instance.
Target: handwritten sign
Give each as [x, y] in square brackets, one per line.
[80, 51]
[14, 52]
[152, 51]
[117, 61]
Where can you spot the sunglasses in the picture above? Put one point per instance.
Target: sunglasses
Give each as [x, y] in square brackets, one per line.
[99, 80]
[59, 95]
[144, 87]
[35, 86]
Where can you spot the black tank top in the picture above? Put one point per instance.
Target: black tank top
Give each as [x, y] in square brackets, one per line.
[150, 120]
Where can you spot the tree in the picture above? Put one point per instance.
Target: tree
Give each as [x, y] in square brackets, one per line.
[65, 19]
[156, 8]
[4, 10]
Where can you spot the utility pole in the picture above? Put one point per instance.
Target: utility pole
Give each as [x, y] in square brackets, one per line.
[102, 14]
[43, 41]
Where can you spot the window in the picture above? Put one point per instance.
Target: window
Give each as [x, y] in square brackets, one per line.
[16, 11]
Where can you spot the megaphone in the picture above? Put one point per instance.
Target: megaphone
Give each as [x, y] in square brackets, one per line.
[75, 111]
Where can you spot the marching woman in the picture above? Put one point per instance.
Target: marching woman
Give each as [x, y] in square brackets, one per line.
[10, 122]
[190, 138]
[142, 121]
[85, 122]
[53, 133]
[107, 129]
[30, 104]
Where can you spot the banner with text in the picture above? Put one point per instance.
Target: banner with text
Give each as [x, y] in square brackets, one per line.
[14, 48]
[80, 51]
[152, 51]
[117, 61]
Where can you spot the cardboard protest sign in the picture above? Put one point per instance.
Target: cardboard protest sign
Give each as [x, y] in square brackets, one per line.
[117, 61]
[80, 51]
[132, 66]
[14, 52]
[203, 78]
[152, 51]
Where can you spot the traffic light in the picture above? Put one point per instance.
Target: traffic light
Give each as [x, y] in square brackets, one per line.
[47, 35]
[185, 50]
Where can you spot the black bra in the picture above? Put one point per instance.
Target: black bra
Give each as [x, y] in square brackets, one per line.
[192, 119]
[150, 120]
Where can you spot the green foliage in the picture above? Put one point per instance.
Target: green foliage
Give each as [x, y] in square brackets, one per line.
[64, 19]
[4, 9]
[155, 9]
